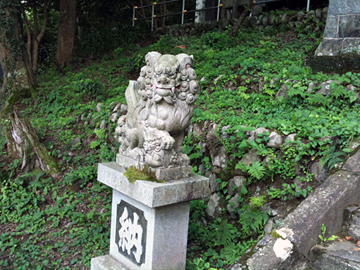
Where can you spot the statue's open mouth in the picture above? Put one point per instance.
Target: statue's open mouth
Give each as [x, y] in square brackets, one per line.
[166, 91]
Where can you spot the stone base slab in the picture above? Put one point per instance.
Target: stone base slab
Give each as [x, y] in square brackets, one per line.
[154, 194]
[169, 173]
[106, 262]
[338, 46]
[335, 256]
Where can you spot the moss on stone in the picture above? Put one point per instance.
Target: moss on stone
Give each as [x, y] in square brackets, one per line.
[274, 234]
[133, 174]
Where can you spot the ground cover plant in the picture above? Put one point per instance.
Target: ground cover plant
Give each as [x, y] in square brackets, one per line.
[61, 222]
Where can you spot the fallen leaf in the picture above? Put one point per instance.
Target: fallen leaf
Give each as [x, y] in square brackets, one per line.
[340, 240]
[357, 249]
[358, 243]
[348, 238]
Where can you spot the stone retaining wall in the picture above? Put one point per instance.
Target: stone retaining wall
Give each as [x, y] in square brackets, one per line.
[314, 20]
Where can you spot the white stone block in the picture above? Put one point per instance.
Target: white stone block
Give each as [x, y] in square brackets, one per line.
[148, 238]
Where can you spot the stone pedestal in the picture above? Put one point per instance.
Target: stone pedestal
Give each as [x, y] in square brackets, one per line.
[149, 222]
[342, 30]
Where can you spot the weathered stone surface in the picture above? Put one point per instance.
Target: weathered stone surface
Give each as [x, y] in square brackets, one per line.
[219, 157]
[331, 27]
[352, 164]
[329, 47]
[106, 262]
[213, 208]
[117, 107]
[250, 157]
[269, 226]
[283, 90]
[275, 140]
[351, 46]
[246, 22]
[291, 137]
[211, 130]
[300, 15]
[212, 183]
[75, 141]
[354, 228]
[332, 196]
[233, 204]
[265, 20]
[235, 184]
[98, 107]
[224, 134]
[102, 124]
[310, 14]
[254, 133]
[154, 194]
[349, 26]
[342, 32]
[274, 81]
[113, 117]
[325, 13]
[311, 87]
[160, 106]
[275, 257]
[267, 208]
[344, 7]
[285, 18]
[336, 256]
[325, 88]
[302, 227]
[123, 109]
[163, 234]
[319, 172]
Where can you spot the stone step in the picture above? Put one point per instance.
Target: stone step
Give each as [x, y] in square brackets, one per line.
[335, 256]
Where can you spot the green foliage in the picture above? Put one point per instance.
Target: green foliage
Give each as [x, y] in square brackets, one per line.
[221, 242]
[288, 192]
[322, 236]
[332, 158]
[258, 202]
[252, 219]
[283, 165]
[65, 108]
[88, 87]
[36, 237]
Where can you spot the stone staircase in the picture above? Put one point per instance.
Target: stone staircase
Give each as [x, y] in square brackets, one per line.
[340, 254]
[295, 243]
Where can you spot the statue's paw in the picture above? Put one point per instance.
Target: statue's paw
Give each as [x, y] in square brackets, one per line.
[154, 159]
[167, 142]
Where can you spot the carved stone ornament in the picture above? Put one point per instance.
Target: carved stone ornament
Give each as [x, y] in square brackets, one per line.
[160, 105]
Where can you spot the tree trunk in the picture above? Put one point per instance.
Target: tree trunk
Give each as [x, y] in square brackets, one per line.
[163, 12]
[23, 143]
[18, 74]
[66, 33]
[22, 140]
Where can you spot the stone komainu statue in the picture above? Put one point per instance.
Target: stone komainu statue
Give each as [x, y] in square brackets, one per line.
[160, 105]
